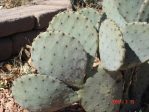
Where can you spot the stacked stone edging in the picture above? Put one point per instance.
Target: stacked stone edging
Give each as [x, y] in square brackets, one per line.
[26, 18]
[20, 25]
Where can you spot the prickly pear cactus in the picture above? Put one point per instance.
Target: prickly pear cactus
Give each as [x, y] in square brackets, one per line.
[111, 46]
[125, 47]
[112, 12]
[129, 9]
[136, 35]
[60, 56]
[41, 93]
[99, 91]
[126, 11]
[144, 12]
[78, 26]
[64, 54]
[92, 14]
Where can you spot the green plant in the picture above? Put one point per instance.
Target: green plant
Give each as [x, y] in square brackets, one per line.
[131, 30]
[69, 23]
[62, 57]
[65, 53]
[123, 12]
[93, 15]
[42, 93]
[99, 91]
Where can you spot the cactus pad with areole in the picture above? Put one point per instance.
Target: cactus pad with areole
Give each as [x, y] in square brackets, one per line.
[61, 56]
[99, 91]
[92, 14]
[111, 46]
[76, 25]
[41, 93]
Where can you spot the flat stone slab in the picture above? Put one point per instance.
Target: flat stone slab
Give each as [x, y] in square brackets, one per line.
[20, 25]
[25, 18]
[12, 45]
[16, 24]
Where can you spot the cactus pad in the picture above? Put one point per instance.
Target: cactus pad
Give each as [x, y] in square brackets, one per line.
[41, 93]
[79, 27]
[61, 56]
[144, 12]
[126, 11]
[93, 15]
[111, 45]
[129, 9]
[99, 91]
[136, 35]
[110, 8]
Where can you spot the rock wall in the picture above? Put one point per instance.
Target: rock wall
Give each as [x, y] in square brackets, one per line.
[20, 25]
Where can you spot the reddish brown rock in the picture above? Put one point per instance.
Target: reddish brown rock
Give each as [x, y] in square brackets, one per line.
[5, 48]
[16, 23]
[26, 18]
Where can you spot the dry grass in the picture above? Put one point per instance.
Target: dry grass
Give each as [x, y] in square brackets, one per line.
[13, 3]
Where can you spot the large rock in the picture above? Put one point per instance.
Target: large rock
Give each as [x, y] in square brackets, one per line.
[15, 23]
[25, 18]
[12, 45]
[5, 48]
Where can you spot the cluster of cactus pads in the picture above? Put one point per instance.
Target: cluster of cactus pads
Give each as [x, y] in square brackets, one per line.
[64, 54]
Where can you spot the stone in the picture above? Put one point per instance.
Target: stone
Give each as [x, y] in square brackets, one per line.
[5, 48]
[15, 23]
[26, 18]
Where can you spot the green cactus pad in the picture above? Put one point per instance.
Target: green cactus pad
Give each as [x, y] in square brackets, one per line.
[41, 93]
[136, 35]
[61, 56]
[144, 12]
[123, 48]
[93, 15]
[99, 92]
[111, 46]
[126, 11]
[129, 9]
[79, 27]
[110, 8]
